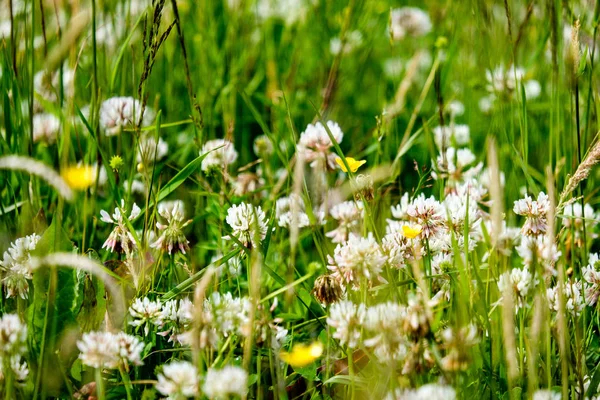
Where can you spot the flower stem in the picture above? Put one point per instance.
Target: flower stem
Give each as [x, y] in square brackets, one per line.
[99, 384]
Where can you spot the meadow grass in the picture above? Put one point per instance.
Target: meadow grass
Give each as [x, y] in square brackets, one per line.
[294, 199]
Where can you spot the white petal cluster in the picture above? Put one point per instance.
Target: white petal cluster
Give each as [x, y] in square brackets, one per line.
[535, 211]
[591, 276]
[109, 350]
[348, 215]
[291, 209]
[315, 145]
[430, 391]
[171, 232]
[427, 212]
[178, 380]
[347, 319]
[357, 259]
[574, 299]
[225, 382]
[13, 345]
[45, 128]
[15, 266]
[520, 281]
[145, 312]
[220, 154]
[150, 151]
[451, 136]
[230, 315]
[117, 113]
[249, 224]
[409, 22]
[120, 239]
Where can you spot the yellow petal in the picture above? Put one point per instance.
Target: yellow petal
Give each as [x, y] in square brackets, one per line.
[79, 177]
[302, 354]
[411, 232]
[352, 163]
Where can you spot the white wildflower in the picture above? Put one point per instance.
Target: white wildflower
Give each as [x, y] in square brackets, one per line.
[45, 128]
[225, 382]
[13, 335]
[535, 211]
[348, 215]
[117, 113]
[120, 239]
[409, 22]
[519, 281]
[288, 208]
[150, 151]
[347, 319]
[315, 144]
[171, 236]
[221, 153]
[573, 296]
[177, 380]
[249, 224]
[358, 258]
[145, 312]
[427, 212]
[450, 136]
[16, 266]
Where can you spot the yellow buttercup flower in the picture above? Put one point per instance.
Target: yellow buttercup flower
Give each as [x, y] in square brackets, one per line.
[411, 232]
[352, 163]
[79, 177]
[302, 354]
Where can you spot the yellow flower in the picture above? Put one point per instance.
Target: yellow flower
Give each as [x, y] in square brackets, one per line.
[79, 177]
[302, 354]
[411, 232]
[352, 163]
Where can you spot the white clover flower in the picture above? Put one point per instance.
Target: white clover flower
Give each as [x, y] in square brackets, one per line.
[149, 151]
[16, 266]
[456, 109]
[262, 146]
[573, 296]
[285, 207]
[533, 89]
[221, 153]
[409, 22]
[519, 280]
[108, 350]
[399, 210]
[450, 136]
[13, 335]
[129, 349]
[229, 315]
[225, 382]
[145, 312]
[400, 250]
[535, 211]
[99, 350]
[290, 11]
[427, 212]
[430, 391]
[117, 113]
[457, 342]
[347, 319]
[544, 394]
[18, 367]
[137, 186]
[315, 144]
[172, 237]
[47, 85]
[45, 128]
[120, 239]
[358, 258]
[460, 211]
[503, 80]
[178, 380]
[348, 215]
[175, 318]
[249, 224]
[457, 165]
[591, 276]
[574, 216]
[541, 249]
[353, 40]
[384, 325]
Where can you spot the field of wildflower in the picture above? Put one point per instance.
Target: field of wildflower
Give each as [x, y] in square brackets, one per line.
[299, 199]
